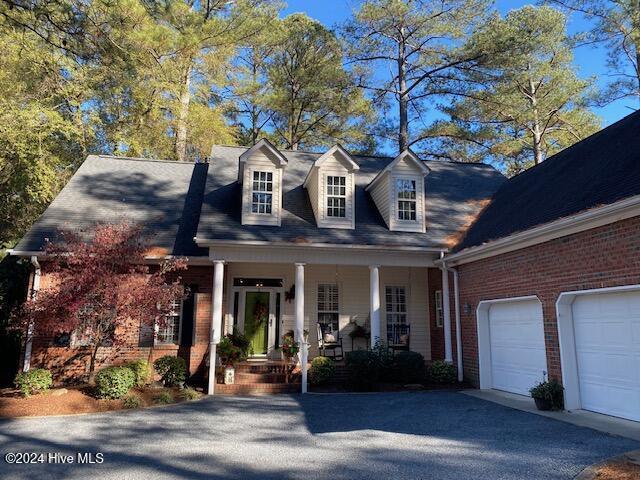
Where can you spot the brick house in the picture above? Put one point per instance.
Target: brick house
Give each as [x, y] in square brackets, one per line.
[328, 242]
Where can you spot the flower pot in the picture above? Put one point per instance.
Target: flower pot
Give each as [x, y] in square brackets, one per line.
[543, 403]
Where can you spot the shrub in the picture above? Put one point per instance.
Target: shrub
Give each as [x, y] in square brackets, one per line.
[409, 367]
[173, 370]
[132, 401]
[322, 371]
[442, 372]
[140, 369]
[362, 369]
[550, 391]
[34, 380]
[114, 382]
[190, 394]
[164, 398]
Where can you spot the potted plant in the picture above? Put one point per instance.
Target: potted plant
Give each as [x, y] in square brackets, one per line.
[229, 355]
[548, 395]
[289, 349]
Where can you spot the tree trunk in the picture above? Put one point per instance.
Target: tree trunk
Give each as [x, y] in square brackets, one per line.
[535, 130]
[183, 116]
[403, 97]
[92, 363]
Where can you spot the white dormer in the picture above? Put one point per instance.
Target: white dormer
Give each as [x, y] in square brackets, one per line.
[398, 192]
[331, 187]
[260, 173]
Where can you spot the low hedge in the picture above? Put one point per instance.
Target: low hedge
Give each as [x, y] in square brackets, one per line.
[322, 371]
[140, 369]
[443, 372]
[114, 382]
[409, 367]
[173, 370]
[34, 380]
[363, 372]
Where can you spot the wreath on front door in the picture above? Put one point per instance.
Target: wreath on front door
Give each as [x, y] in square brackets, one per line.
[260, 314]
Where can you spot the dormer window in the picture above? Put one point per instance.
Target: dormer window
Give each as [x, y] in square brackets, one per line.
[398, 192]
[336, 196]
[406, 198]
[260, 173]
[331, 186]
[262, 192]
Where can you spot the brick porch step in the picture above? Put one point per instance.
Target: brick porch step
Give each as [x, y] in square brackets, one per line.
[257, 388]
[266, 367]
[247, 378]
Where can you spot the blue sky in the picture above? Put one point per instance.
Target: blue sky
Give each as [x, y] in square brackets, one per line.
[589, 61]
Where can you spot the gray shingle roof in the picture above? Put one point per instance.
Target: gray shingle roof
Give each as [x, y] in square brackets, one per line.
[602, 169]
[454, 192]
[164, 196]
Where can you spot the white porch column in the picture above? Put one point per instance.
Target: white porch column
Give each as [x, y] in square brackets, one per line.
[374, 302]
[446, 307]
[216, 321]
[300, 323]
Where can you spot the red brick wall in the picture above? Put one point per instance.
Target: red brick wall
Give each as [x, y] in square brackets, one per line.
[69, 363]
[603, 257]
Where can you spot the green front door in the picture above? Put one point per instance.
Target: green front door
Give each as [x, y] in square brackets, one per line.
[256, 321]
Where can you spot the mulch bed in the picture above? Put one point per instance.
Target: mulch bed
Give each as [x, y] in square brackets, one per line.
[619, 471]
[78, 399]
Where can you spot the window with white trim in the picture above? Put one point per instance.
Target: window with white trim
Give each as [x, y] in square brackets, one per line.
[262, 192]
[328, 307]
[336, 196]
[396, 305]
[168, 331]
[439, 309]
[406, 194]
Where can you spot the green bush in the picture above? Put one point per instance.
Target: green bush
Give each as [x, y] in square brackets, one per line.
[34, 380]
[242, 342]
[551, 391]
[132, 401]
[362, 369]
[442, 372]
[322, 371]
[114, 382]
[409, 367]
[191, 394]
[140, 369]
[173, 370]
[228, 353]
[164, 398]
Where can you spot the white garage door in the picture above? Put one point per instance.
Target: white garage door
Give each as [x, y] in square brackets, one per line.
[518, 359]
[607, 337]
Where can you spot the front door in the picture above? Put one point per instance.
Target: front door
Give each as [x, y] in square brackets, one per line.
[257, 319]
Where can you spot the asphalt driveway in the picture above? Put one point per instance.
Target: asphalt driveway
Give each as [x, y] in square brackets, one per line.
[430, 435]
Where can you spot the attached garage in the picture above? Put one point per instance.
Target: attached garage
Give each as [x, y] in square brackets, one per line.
[600, 350]
[511, 344]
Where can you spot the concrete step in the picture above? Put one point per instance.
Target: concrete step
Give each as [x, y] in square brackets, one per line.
[257, 388]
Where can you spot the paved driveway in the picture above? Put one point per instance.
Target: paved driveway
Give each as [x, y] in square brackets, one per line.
[431, 435]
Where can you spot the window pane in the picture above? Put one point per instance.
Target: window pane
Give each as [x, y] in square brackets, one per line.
[396, 305]
[336, 196]
[328, 307]
[262, 202]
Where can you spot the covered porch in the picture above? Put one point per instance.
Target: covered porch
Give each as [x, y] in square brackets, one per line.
[340, 298]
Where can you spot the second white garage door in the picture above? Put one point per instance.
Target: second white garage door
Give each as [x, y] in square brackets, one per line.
[518, 359]
[607, 342]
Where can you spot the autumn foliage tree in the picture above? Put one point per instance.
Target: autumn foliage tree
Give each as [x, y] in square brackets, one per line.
[102, 286]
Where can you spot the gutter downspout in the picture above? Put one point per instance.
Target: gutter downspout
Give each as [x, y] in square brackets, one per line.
[456, 299]
[35, 287]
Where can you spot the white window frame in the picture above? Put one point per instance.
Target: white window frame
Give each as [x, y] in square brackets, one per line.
[413, 200]
[328, 302]
[439, 308]
[177, 313]
[340, 196]
[263, 185]
[396, 313]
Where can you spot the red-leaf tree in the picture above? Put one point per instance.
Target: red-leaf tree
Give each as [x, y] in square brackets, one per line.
[101, 287]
